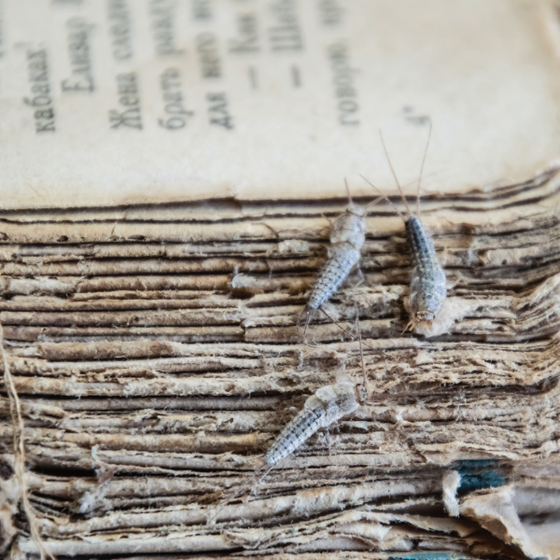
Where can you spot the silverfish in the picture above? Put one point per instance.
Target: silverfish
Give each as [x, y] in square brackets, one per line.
[329, 404]
[428, 286]
[348, 234]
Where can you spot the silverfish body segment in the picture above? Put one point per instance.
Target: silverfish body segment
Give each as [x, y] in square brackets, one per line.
[428, 287]
[326, 406]
[347, 238]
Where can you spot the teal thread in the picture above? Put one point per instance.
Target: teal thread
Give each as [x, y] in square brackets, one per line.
[430, 556]
[478, 474]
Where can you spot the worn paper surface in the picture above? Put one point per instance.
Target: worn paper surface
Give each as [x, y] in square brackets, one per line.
[159, 362]
[120, 102]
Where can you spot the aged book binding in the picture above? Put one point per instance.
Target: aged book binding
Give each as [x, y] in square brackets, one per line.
[167, 171]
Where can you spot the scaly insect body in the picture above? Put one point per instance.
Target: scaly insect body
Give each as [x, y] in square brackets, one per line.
[428, 288]
[348, 235]
[327, 405]
[347, 238]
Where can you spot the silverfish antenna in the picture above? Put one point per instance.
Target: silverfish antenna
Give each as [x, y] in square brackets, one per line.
[421, 171]
[385, 197]
[348, 191]
[372, 203]
[251, 483]
[349, 333]
[363, 364]
[394, 174]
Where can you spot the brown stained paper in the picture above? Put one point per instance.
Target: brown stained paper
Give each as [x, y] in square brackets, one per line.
[131, 103]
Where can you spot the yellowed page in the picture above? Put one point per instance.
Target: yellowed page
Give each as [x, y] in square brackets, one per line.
[121, 103]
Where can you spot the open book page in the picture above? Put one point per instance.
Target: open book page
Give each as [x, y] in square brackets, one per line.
[127, 103]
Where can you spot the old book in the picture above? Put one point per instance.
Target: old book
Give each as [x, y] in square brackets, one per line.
[168, 168]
